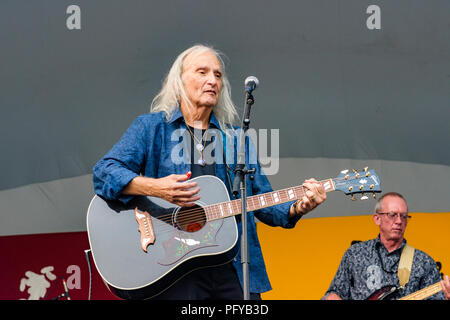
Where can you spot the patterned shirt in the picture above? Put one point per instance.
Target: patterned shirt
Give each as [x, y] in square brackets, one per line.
[368, 266]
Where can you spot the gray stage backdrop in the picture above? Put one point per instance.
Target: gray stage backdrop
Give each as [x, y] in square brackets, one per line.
[348, 83]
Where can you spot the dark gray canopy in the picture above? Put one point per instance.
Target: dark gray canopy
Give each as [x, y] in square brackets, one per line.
[342, 95]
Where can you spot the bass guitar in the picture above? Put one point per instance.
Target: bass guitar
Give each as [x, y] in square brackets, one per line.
[387, 292]
[142, 248]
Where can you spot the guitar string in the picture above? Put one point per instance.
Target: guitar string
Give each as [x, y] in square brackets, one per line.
[199, 215]
[299, 189]
[190, 215]
[184, 221]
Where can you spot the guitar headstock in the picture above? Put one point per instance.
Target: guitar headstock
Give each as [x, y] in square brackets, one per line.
[352, 182]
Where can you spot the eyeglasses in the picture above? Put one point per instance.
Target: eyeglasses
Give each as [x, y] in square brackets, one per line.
[393, 215]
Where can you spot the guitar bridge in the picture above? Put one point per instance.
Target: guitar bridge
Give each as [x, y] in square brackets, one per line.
[144, 221]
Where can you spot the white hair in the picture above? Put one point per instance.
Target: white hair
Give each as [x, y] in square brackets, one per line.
[169, 98]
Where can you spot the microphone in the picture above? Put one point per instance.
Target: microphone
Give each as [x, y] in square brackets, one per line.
[251, 83]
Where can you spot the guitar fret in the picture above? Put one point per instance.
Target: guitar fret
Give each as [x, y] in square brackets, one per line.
[217, 211]
[209, 213]
[291, 194]
[275, 197]
[255, 204]
[262, 201]
[284, 195]
[300, 192]
[251, 203]
[214, 212]
[268, 199]
[237, 204]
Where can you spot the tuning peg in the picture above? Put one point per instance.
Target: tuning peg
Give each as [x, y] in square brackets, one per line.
[354, 171]
[374, 195]
[363, 197]
[366, 168]
[353, 197]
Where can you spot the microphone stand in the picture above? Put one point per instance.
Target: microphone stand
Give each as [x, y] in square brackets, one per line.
[66, 292]
[240, 183]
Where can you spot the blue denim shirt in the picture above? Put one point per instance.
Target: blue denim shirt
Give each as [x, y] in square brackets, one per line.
[145, 149]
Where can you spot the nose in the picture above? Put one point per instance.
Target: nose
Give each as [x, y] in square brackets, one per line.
[211, 79]
[398, 219]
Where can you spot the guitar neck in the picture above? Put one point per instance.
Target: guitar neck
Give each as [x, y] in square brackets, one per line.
[256, 202]
[424, 293]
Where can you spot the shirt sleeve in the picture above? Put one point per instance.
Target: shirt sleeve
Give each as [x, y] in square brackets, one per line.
[342, 279]
[277, 215]
[121, 164]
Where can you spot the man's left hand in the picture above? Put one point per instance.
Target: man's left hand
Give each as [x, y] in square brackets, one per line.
[446, 287]
[315, 194]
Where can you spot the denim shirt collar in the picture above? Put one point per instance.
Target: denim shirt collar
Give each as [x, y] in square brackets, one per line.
[177, 115]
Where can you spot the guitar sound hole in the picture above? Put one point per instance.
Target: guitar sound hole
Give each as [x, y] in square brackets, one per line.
[191, 219]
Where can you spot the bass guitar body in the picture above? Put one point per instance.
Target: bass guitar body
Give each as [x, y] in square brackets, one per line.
[384, 293]
[387, 292]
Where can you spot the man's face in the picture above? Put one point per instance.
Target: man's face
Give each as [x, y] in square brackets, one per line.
[202, 78]
[392, 228]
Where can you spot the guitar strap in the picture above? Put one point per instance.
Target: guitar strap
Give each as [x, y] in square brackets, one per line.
[405, 264]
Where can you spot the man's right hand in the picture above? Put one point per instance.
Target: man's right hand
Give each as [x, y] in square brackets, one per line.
[173, 188]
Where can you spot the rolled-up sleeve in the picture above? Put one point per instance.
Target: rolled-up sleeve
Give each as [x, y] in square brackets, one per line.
[273, 216]
[121, 164]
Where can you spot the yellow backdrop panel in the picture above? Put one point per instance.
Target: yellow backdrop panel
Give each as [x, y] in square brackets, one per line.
[301, 262]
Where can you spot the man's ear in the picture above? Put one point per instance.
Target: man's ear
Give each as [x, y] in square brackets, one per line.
[377, 219]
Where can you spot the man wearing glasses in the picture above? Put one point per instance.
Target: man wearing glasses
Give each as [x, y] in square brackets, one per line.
[370, 266]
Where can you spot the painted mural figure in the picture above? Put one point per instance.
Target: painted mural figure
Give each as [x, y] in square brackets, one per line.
[37, 283]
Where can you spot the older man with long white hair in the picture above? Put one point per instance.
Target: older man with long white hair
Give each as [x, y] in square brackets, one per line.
[195, 104]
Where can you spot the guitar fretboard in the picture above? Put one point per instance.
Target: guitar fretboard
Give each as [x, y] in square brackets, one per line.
[256, 202]
[424, 293]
